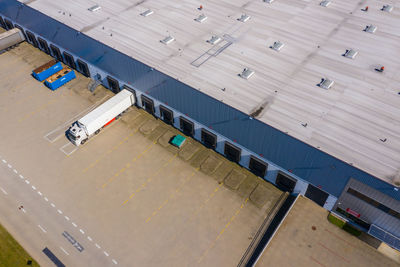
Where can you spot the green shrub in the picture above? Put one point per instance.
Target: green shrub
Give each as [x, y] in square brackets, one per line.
[351, 230]
[336, 221]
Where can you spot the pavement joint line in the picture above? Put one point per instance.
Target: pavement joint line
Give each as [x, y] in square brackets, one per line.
[39, 193]
[52, 204]
[27, 181]
[64, 250]
[97, 246]
[105, 253]
[66, 217]
[74, 224]
[114, 261]
[59, 211]
[41, 228]
[4, 191]
[33, 187]
[80, 230]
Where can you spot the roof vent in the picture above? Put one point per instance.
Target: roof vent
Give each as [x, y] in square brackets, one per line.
[269, 1]
[147, 13]
[350, 53]
[370, 28]
[215, 39]
[94, 8]
[201, 18]
[167, 40]
[325, 3]
[387, 8]
[246, 73]
[277, 46]
[244, 18]
[326, 83]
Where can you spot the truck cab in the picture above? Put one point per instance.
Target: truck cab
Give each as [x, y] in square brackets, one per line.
[77, 134]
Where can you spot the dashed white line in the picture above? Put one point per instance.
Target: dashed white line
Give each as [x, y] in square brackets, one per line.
[33, 187]
[66, 217]
[4, 191]
[80, 230]
[40, 193]
[9, 166]
[64, 250]
[74, 224]
[52, 204]
[20, 176]
[97, 246]
[59, 211]
[4, 161]
[23, 210]
[45, 198]
[27, 181]
[15, 171]
[41, 228]
[105, 253]
[89, 238]
[114, 261]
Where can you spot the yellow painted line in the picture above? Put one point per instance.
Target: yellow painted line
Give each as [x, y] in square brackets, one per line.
[9, 90]
[150, 178]
[37, 110]
[121, 171]
[179, 188]
[222, 231]
[93, 164]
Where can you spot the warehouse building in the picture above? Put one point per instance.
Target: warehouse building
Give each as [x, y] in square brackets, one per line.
[302, 93]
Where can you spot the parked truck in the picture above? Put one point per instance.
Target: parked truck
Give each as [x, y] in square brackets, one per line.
[100, 117]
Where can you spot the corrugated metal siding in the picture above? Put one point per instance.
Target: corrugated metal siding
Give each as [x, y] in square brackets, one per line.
[291, 154]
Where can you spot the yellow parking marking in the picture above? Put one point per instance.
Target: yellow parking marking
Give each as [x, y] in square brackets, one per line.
[93, 164]
[222, 231]
[121, 171]
[9, 90]
[37, 110]
[149, 179]
[171, 196]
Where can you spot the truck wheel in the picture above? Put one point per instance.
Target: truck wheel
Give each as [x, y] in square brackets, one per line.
[97, 132]
[83, 141]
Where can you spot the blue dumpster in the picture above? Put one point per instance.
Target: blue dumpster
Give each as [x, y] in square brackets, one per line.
[60, 78]
[45, 71]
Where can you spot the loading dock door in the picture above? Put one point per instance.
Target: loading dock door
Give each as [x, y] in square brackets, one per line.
[285, 182]
[56, 52]
[9, 24]
[257, 166]
[69, 60]
[148, 104]
[132, 91]
[83, 68]
[316, 195]
[2, 24]
[187, 127]
[166, 115]
[43, 45]
[21, 29]
[32, 39]
[232, 152]
[113, 84]
[208, 138]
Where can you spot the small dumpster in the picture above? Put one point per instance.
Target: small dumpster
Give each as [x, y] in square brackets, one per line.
[45, 71]
[178, 140]
[60, 78]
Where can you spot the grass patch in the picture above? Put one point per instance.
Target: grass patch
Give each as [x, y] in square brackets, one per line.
[336, 221]
[351, 230]
[11, 253]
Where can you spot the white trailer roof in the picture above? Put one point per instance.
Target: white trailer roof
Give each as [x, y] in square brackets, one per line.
[356, 119]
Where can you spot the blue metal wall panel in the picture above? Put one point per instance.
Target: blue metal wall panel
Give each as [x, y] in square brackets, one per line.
[309, 163]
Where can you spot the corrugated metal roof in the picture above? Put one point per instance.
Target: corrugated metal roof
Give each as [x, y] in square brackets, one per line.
[309, 163]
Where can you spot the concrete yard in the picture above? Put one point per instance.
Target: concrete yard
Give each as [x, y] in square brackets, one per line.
[306, 238]
[127, 196]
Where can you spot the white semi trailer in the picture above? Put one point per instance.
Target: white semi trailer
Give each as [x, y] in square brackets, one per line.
[94, 121]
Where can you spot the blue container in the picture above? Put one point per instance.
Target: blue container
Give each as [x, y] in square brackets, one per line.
[45, 71]
[60, 78]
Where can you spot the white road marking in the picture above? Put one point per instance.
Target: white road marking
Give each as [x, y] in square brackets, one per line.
[33, 187]
[74, 224]
[52, 204]
[23, 210]
[114, 261]
[9, 166]
[59, 211]
[105, 253]
[40, 193]
[80, 230]
[66, 217]
[4, 191]
[97, 245]
[4, 161]
[20, 176]
[45, 198]
[15, 171]
[27, 181]
[89, 238]
[64, 250]
[41, 228]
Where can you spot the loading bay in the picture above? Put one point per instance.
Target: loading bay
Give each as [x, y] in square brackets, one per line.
[126, 197]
